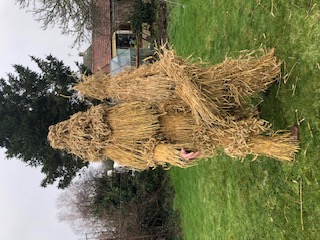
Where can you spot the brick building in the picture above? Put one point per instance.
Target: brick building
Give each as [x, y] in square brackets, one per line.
[115, 17]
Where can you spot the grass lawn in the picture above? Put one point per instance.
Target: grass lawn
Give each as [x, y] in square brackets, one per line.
[264, 199]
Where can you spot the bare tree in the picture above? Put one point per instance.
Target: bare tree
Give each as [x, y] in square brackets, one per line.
[73, 17]
[76, 206]
[117, 206]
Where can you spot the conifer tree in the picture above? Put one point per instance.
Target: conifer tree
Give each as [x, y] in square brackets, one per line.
[29, 103]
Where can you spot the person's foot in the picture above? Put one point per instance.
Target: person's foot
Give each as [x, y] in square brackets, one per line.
[295, 132]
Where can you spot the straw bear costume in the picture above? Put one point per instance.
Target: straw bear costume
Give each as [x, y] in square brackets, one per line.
[175, 103]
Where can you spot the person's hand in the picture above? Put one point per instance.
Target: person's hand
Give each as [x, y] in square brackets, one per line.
[189, 156]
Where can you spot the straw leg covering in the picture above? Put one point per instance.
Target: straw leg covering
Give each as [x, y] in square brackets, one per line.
[239, 139]
[241, 77]
[279, 146]
[211, 91]
[250, 136]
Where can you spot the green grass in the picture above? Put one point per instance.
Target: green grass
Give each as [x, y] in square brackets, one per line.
[227, 199]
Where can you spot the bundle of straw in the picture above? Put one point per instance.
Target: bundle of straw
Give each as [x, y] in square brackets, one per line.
[137, 135]
[181, 104]
[212, 93]
[142, 84]
[277, 145]
[85, 134]
[129, 133]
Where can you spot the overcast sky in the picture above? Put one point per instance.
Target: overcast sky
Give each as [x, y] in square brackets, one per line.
[27, 211]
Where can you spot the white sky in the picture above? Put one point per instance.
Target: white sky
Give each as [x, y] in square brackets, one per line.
[27, 211]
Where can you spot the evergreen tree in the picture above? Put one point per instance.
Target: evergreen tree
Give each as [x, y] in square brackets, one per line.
[29, 103]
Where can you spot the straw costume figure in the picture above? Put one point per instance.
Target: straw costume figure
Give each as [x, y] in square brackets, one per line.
[173, 105]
